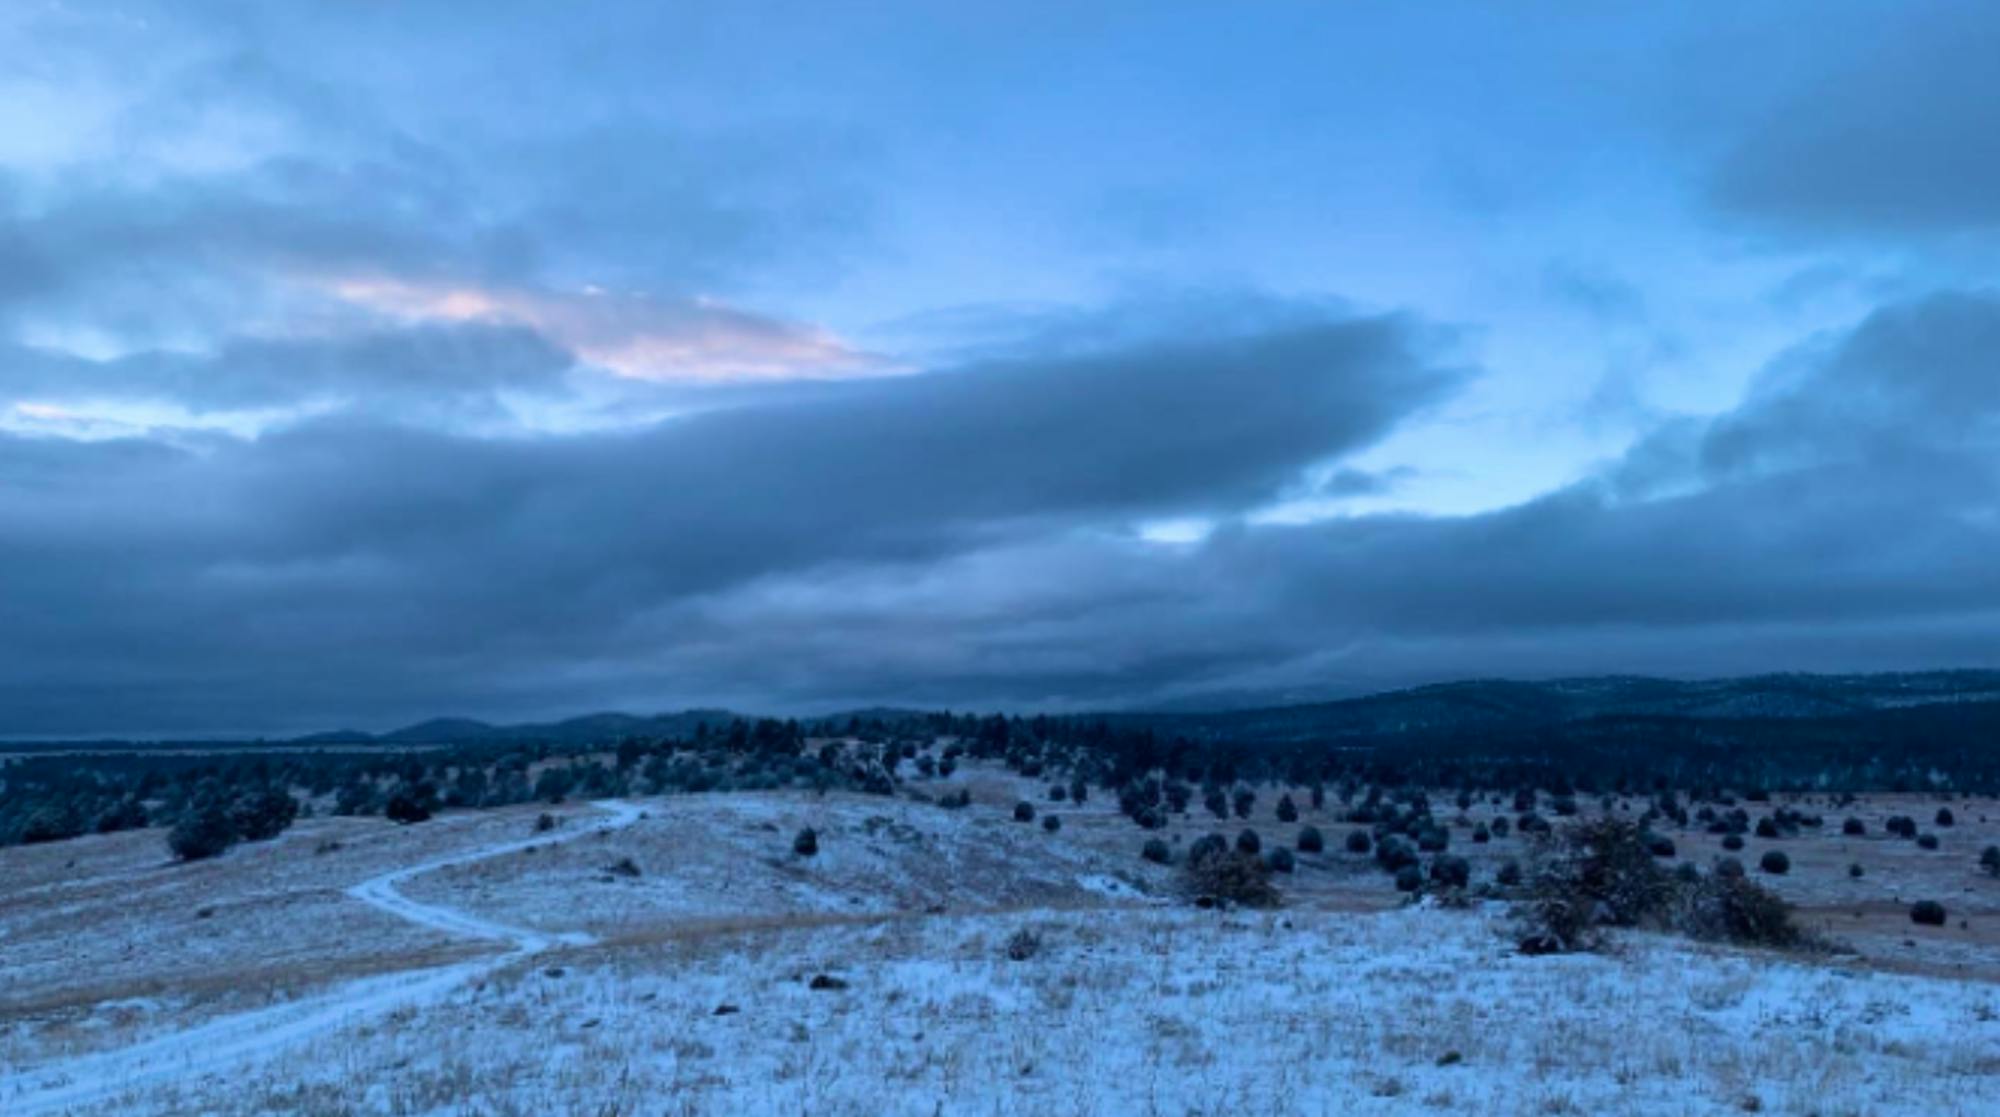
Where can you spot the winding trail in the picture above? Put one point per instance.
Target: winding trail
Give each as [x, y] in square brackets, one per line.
[232, 1041]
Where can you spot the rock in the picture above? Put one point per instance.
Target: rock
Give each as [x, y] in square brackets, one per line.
[825, 982]
[726, 1010]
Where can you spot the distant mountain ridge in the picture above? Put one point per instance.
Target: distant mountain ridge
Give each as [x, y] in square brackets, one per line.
[1466, 705]
[577, 730]
[1500, 703]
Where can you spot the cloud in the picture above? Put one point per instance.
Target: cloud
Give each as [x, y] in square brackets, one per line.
[636, 335]
[357, 551]
[1898, 143]
[969, 536]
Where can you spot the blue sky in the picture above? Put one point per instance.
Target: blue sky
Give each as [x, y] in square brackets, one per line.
[369, 361]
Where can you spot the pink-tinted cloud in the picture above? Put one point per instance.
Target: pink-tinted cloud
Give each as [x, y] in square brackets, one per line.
[631, 334]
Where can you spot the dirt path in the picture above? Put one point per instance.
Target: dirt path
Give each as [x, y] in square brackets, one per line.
[227, 1043]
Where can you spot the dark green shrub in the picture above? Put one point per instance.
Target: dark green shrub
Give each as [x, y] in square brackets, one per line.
[1311, 840]
[1989, 860]
[1158, 852]
[1249, 842]
[1288, 811]
[1855, 871]
[1927, 841]
[1733, 842]
[1024, 811]
[202, 834]
[1854, 828]
[1358, 841]
[1409, 878]
[1660, 845]
[1051, 823]
[1481, 834]
[1733, 909]
[263, 814]
[1945, 817]
[1230, 878]
[1393, 854]
[806, 842]
[1509, 875]
[1775, 862]
[1927, 913]
[405, 808]
[1451, 871]
[1729, 867]
[1594, 874]
[1208, 846]
[1280, 860]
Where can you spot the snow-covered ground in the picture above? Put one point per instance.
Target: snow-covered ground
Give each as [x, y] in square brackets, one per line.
[1152, 1011]
[661, 957]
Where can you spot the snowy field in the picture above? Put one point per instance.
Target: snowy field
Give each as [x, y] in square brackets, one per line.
[674, 957]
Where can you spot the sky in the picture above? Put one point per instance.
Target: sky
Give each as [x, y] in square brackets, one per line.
[363, 362]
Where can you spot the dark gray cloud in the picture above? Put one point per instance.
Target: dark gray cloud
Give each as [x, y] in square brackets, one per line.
[956, 538]
[1898, 141]
[259, 572]
[397, 371]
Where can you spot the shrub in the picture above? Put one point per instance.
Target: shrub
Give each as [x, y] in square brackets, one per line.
[806, 842]
[1732, 842]
[1501, 827]
[1481, 834]
[1058, 793]
[1945, 817]
[1358, 841]
[263, 815]
[1509, 875]
[1023, 945]
[1451, 872]
[1409, 878]
[1311, 840]
[544, 822]
[1227, 878]
[1729, 867]
[202, 834]
[1249, 842]
[1288, 811]
[1433, 839]
[1855, 871]
[1854, 828]
[1598, 873]
[1767, 828]
[1280, 860]
[405, 808]
[1392, 854]
[1051, 823]
[1903, 826]
[1989, 860]
[1158, 852]
[1927, 913]
[1732, 909]
[1775, 862]
[1024, 811]
[956, 800]
[1927, 841]
[1660, 845]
